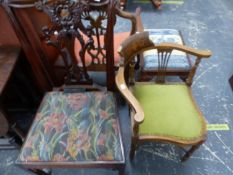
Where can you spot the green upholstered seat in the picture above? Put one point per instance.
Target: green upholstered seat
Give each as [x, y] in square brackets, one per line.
[169, 111]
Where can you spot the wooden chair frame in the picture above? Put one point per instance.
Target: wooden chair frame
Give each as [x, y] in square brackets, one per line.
[32, 43]
[146, 75]
[128, 50]
[61, 34]
[107, 51]
[183, 74]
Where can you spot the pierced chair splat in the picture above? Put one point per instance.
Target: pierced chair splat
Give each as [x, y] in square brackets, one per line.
[101, 40]
[180, 65]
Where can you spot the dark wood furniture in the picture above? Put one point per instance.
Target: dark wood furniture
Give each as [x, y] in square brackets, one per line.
[18, 20]
[104, 41]
[161, 111]
[73, 128]
[101, 49]
[7, 35]
[28, 39]
[9, 56]
[18, 96]
[44, 58]
[18, 93]
[8, 59]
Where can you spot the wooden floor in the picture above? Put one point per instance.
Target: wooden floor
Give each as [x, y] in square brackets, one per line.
[205, 24]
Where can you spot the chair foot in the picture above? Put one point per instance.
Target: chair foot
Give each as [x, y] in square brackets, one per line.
[190, 152]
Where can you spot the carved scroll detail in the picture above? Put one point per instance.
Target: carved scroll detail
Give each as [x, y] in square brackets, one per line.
[65, 16]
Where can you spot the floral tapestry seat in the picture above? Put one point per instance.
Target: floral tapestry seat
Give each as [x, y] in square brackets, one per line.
[74, 129]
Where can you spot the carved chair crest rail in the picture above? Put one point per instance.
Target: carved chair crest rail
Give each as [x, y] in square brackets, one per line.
[95, 41]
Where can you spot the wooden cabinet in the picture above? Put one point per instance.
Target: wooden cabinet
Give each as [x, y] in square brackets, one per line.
[7, 34]
[20, 21]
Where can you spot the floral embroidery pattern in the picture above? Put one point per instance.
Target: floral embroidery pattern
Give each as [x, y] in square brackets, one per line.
[74, 127]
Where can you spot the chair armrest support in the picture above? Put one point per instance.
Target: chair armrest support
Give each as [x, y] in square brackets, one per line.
[121, 85]
[132, 17]
[139, 24]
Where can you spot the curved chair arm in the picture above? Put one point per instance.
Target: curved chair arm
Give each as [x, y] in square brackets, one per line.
[141, 42]
[135, 19]
[121, 85]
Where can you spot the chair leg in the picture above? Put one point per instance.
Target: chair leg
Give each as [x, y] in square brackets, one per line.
[18, 131]
[122, 170]
[183, 78]
[132, 150]
[137, 65]
[190, 152]
[157, 3]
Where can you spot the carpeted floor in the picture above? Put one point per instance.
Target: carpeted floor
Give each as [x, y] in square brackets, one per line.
[205, 25]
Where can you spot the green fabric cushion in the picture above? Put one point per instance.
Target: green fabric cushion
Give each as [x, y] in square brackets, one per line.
[169, 111]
